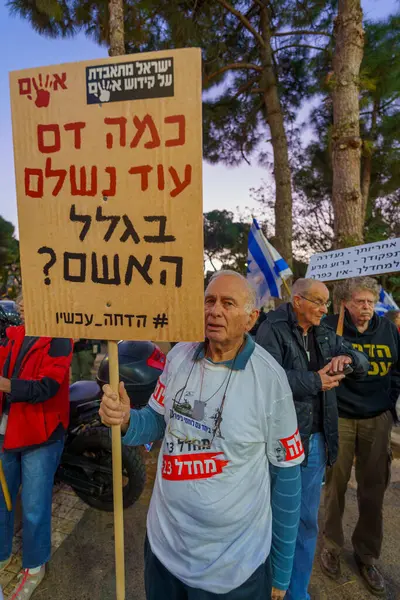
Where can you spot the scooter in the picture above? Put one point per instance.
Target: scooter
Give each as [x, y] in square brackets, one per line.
[86, 463]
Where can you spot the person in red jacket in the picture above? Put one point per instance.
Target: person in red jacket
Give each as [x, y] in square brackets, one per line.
[34, 414]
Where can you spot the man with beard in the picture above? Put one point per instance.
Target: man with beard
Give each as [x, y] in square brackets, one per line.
[365, 422]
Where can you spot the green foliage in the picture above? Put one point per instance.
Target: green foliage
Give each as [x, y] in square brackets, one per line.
[381, 64]
[63, 18]
[9, 258]
[225, 240]
[234, 114]
[380, 131]
[53, 18]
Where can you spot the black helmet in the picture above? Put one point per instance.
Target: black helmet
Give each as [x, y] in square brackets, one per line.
[140, 365]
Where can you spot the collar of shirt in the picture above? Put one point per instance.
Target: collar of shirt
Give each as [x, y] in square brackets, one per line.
[241, 360]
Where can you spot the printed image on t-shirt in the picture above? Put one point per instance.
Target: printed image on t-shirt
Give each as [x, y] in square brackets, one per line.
[194, 421]
[205, 415]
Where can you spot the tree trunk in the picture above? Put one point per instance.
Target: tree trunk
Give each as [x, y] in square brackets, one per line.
[116, 26]
[367, 161]
[274, 117]
[346, 151]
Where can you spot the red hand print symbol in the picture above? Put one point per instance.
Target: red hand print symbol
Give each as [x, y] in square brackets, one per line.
[42, 91]
[43, 86]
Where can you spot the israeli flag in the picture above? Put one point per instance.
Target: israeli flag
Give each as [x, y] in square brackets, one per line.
[385, 303]
[266, 269]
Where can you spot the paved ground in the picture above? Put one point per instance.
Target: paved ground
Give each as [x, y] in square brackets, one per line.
[83, 566]
[350, 587]
[67, 512]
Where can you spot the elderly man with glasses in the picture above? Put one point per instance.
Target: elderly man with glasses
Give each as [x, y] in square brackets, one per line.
[316, 360]
[227, 490]
[365, 422]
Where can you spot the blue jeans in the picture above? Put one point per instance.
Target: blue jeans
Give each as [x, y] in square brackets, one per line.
[34, 470]
[311, 481]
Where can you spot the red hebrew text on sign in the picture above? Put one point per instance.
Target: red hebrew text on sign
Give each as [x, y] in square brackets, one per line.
[90, 180]
[108, 160]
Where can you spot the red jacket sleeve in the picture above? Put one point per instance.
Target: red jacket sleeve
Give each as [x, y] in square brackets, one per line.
[53, 370]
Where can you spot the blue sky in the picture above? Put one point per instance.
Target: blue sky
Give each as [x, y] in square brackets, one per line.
[21, 47]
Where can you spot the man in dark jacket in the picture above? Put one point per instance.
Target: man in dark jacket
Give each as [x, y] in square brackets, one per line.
[365, 422]
[34, 414]
[314, 359]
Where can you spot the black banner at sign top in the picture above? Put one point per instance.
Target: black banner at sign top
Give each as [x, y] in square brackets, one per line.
[136, 80]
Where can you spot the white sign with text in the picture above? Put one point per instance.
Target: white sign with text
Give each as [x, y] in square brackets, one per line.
[370, 259]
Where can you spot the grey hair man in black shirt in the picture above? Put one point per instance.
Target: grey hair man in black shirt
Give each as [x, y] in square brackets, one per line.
[365, 422]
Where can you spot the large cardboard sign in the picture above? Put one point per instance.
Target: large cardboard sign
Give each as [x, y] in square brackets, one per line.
[370, 259]
[108, 160]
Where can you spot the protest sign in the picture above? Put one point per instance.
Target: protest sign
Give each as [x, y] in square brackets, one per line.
[108, 160]
[370, 259]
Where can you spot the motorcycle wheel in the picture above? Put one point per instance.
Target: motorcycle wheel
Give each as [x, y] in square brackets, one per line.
[96, 444]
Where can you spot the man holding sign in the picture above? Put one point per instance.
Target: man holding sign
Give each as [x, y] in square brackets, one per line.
[108, 160]
[225, 412]
[365, 411]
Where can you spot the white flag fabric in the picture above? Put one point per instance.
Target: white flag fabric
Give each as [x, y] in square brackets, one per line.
[266, 269]
[385, 303]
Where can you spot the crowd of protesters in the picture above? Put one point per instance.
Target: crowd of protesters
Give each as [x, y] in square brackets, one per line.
[234, 511]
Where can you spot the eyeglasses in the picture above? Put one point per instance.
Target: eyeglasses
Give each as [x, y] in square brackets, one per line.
[362, 302]
[319, 303]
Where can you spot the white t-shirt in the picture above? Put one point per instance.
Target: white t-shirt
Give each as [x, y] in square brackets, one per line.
[210, 521]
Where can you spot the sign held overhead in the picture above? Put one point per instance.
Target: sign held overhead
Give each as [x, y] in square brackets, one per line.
[108, 158]
[370, 259]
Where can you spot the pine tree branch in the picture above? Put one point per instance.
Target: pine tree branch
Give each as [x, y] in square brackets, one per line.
[388, 103]
[300, 46]
[243, 88]
[300, 32]
[244, 156]
[232, 67]
[243, 20]
[262, 3]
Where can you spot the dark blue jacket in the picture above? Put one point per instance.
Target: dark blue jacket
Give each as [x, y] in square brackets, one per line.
[281, 336]
[378, 391]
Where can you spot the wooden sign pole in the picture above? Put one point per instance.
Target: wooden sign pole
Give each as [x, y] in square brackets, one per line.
[84, 276]
[339, 328]
[4, 487]
[117, 480]
[287, 288]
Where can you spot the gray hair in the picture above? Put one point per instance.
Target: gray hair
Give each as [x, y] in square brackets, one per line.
[251, 304]
[345, 290]
[301, 286]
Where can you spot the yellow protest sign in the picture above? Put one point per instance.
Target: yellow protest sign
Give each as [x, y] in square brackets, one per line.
[109, 186]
